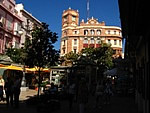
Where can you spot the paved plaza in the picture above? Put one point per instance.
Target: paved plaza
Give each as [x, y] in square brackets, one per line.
[118, 105]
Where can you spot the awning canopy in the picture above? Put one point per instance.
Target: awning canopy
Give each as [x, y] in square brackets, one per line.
[35, 69]
[12, 68]
[1, 65]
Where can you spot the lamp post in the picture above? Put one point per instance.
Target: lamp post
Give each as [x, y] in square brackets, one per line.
[23, 83]
[68, 72]
[96, 69]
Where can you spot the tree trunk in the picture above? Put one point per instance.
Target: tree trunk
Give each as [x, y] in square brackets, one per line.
[39, 82]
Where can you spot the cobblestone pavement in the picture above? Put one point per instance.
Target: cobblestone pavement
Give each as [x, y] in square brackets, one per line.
[117, 105]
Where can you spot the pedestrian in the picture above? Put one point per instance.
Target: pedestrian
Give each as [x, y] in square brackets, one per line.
[17, 86]
[71, 94]
[107, 91]
[99, 94]
[1, 88]
[53, 91]
[9, 90]
[82, 95]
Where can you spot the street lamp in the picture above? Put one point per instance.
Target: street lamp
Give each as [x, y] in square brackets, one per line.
[68, 71]
[23, 83]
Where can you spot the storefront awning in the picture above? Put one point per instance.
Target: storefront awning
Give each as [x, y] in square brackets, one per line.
[12, 68]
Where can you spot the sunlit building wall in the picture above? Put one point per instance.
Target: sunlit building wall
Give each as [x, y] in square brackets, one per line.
[10, 25]
[77, 36]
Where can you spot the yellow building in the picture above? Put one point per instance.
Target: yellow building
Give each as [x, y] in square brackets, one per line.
[77, 36]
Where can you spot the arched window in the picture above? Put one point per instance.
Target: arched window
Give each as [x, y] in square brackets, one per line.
[65, 18]
[92, 41]
[98, 32]
[65, 32]
[73, 18]
[92, 32]
[85, 32]
[85, 41]
[98, 41]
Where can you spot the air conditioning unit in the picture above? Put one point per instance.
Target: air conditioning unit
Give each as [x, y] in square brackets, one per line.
[2, 21]
[13, 44]
[15, 32]
[23, 25]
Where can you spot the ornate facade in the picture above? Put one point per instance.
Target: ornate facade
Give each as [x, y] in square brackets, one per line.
[15, 25]
[77, 36]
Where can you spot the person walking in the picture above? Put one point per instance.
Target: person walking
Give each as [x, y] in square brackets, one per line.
[1, 88]
[82, 95]
[71, 94]
[99, 94]
[107, 91]
[9, 91]
[17, 85]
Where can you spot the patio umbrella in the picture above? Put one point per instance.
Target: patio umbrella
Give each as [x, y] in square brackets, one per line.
[111, 72]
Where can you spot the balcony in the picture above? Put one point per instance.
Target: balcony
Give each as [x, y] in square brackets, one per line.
[85, 45]
[1, 24]
[98, 45]
[92, 45]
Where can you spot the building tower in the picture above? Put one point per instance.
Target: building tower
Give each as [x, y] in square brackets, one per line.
[70, 20]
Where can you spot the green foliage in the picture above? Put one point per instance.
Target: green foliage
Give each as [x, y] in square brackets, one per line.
[16, 54]
[88, 52]
[40, 50]
[71, 56]
[102, 56]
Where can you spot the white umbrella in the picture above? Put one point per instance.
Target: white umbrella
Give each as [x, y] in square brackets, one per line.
[111, 72]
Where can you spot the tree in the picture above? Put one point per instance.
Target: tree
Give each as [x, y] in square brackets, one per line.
[15, 54]
[40, 49]
[101, 56]
[71, 56]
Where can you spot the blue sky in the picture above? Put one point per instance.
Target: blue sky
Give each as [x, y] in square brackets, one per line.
[50, 11]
